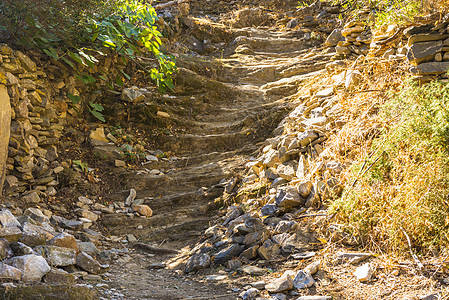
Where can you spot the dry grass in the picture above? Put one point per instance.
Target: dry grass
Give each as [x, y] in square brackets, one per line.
[396, 145]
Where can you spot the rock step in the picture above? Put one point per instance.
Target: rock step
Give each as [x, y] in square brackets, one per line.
[196, 143]
[173, 201]
[185, 179]
[270, 44]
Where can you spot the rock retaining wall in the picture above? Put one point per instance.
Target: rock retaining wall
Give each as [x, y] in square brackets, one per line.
[37, 120]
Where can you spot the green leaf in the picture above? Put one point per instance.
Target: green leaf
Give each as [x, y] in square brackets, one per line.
[96, 106]
[98, 115]
[126, 75]
[74, 98]
[52, 53]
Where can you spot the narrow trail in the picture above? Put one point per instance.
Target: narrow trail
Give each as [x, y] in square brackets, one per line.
[239, 99]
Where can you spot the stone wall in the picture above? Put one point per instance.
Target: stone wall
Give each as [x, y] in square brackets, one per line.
[37, 121]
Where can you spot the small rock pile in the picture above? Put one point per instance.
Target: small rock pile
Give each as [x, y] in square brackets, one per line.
[428, 50]
[37, 124]
[354, 38]
[36, 247]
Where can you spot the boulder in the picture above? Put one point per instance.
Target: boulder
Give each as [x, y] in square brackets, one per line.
[423, 52]
[57, 256]
[430, 68]
[281, 284]
[34, 235]
[197, 262]
[59, 276]
[5, 249]
[11, 234]
[33, 267]
[10, 273]
[227, 253]
[288, 197]
[333, 39]
[303, 280]
[7, 219]
[269, 250]
[89, 264]
[64, 240]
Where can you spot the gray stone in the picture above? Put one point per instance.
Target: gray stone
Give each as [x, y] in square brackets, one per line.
[303, 255]
[353, 258]
[306, 137]
[430, 68]
[57, 256]
[89, 264]
[281, 284]
[289, 197]
[428, 37]
[417, 30]
[108, 152]
[423, 52]
[333, 38]
[250, 253]
[87, 247]
[11, 234]
[20, 249]
[33, 267]
[269, 209]
[269, 250]
[67, 224]
[84, 213]
[249, 294]
[10, 273]
[229, 252]
[5, 249]
[253, 270]
[34, 235]
[303, 280]
[59, 276]
[7, 219]
[36, 215]
[260, 285]
[5, 121]
[255, 237]
[64, 240]
[284, 226]
[132, 195]
[132, 94]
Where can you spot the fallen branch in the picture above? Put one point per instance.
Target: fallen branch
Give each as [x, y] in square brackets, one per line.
[415, 258]
[168, 4]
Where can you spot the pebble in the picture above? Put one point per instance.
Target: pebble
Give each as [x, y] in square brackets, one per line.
[303, 280]
[281, 284]
[364, 272]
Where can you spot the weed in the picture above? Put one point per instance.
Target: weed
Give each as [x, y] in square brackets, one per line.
[407, 184]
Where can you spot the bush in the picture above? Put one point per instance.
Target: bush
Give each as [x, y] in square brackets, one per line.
[404, 188]
[80, 31]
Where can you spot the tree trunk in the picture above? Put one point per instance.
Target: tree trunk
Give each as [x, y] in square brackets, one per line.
[5, 122]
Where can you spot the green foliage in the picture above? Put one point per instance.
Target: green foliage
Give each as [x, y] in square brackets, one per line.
[80, 32]
[405, 182]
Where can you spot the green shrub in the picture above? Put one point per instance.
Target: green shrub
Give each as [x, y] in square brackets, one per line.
[405, 183]
[81, 31]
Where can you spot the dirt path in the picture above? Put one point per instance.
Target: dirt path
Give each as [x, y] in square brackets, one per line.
[240, 99]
